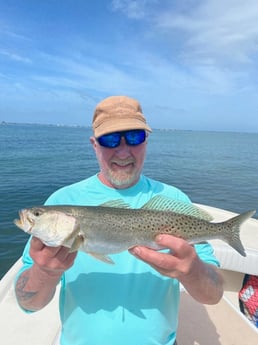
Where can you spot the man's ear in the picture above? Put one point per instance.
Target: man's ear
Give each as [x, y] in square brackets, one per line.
[93, 141]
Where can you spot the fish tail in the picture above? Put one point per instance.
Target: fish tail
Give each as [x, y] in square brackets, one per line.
[233, 235]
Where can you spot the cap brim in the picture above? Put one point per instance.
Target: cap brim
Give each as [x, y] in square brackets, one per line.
[110, 127]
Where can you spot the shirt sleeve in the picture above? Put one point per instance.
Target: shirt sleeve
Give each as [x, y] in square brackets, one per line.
[26, 259]
[27, 263]
[206, 253]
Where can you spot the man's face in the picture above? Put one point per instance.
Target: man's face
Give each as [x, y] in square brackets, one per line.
[120, 167]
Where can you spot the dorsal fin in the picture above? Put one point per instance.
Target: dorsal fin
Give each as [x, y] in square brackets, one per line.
[164, 203]
[116, 203]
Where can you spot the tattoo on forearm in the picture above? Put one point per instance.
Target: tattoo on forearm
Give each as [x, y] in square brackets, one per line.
[21, 293]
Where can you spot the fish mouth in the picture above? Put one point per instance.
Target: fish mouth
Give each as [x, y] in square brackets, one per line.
[24, 222]
[18, 223]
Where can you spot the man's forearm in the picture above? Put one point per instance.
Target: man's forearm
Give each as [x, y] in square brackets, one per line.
[35, 288]
[204, 283]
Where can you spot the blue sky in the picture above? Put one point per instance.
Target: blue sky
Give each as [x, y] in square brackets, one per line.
[193, 64]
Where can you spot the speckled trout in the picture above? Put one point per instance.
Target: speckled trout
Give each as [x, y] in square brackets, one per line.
[114, 227]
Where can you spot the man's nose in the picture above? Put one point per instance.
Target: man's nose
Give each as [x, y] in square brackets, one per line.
[123, 149]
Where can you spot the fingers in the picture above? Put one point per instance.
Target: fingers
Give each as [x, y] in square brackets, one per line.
[152, 257]
[178, 246]
[36, 244]
[51, 258]
[173, 263]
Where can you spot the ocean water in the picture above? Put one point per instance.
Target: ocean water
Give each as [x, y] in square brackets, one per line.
[214, 168]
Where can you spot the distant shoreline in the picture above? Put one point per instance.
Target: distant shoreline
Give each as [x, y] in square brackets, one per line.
[62, 125]
[5, 123]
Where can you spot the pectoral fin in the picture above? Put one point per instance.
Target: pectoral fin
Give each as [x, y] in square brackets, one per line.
[79, 240]
[103, 258]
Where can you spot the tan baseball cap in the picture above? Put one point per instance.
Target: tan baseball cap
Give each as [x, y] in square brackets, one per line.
[118, 113]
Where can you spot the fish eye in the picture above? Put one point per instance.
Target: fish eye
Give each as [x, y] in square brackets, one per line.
[37, 213]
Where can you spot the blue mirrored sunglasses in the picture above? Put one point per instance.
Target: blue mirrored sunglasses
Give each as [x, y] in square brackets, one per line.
[133, 137]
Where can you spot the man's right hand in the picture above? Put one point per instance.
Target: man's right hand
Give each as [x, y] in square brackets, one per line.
[53, 260]
[36, 286]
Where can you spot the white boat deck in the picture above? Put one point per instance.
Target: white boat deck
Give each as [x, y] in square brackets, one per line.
[220, 324]
[18, 327]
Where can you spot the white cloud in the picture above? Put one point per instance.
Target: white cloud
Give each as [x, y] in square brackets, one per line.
[175, 56]
[216, 31]
[133, 9]
[90, 73]
[205, 32]
[15, 57]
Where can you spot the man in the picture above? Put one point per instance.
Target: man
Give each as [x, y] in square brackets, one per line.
[136, 300]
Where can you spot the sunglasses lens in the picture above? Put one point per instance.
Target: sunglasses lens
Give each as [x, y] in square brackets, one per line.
[135, 137]
[132, 138]
[110, 140]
